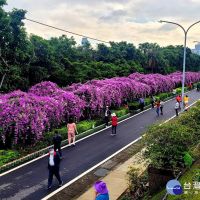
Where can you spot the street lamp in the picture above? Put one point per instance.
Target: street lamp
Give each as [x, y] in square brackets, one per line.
[184, 54]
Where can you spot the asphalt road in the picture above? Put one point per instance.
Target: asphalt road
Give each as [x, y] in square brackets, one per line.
[30, 181]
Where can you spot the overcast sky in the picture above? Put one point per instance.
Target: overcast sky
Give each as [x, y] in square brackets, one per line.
[135, 21]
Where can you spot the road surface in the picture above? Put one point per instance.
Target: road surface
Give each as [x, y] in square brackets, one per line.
[30, 181]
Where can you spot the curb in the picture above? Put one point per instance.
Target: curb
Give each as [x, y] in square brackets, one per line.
[44, 151]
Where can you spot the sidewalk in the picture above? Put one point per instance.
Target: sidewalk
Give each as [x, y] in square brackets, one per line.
[118, 178]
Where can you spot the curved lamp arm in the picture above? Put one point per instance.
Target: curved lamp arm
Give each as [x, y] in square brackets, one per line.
[192, 25]
[161, 21]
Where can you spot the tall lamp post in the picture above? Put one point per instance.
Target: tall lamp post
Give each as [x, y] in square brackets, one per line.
[184, 54]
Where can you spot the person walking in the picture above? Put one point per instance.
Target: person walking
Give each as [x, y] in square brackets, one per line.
[176, 108]
[114, 121]
[141, 102]
[152, 101]
[157, 104]
[186, 101]
[179, 100]
[54, 167]
[71, 128]
[57, 139]
[190, 86]
[161, 107]
[107, 115]
[101, 191]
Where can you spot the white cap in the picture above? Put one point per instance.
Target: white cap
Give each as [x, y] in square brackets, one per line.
[113, 115]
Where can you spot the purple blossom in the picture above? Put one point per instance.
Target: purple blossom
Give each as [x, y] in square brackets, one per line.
[45, 106]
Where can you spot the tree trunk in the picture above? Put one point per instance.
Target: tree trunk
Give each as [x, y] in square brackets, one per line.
[7, 67]
[2, 80]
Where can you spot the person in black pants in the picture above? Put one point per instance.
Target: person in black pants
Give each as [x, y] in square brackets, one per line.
[141, 102]
[54, 167]
[176, 108]
[114, 121]
[161, 107]
[57, 139]
[107, 115]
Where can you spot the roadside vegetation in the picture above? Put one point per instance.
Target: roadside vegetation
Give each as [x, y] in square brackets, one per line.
[174, 146]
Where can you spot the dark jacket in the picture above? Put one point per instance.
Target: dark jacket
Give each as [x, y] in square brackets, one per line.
[56, 161]
[57, 139]
[108, 113]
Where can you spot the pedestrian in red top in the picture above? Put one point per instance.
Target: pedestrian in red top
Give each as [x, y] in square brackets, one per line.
[114, 123]
[178, 99]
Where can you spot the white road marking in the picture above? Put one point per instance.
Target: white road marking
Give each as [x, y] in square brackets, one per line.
[20, 166]
[89, 170]
[175, 115]
[100, 163]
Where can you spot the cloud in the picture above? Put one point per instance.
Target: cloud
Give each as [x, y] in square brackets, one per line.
[114, 20]
[167, 27]
[113, 16]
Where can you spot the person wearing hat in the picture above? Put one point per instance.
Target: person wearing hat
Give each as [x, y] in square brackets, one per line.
[107, 115]
[54, 167]
[101, 191]
[114, 123]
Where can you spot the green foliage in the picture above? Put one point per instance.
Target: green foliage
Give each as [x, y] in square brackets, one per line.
[179, 90]
[121, 112]
[136, 181]
[188, 160]
[85, 125]
[163, 96]
[133, 105]
[133, 178]
[166, 144]
[7, 156]
[147, 101]
[25, 61]
[189, 177]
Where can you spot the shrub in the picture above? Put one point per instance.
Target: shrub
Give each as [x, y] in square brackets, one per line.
[121, 112]
[134, 105]
[166, 144]
[133, 178]
[192, 119]
[147, 101]
[8, 156]
[85, 125]
[163, 96]
[136, 182]
[28, 115]
[179, 90]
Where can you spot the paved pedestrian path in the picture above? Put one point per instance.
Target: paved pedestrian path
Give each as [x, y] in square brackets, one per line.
[30, 182]
[117, 179]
